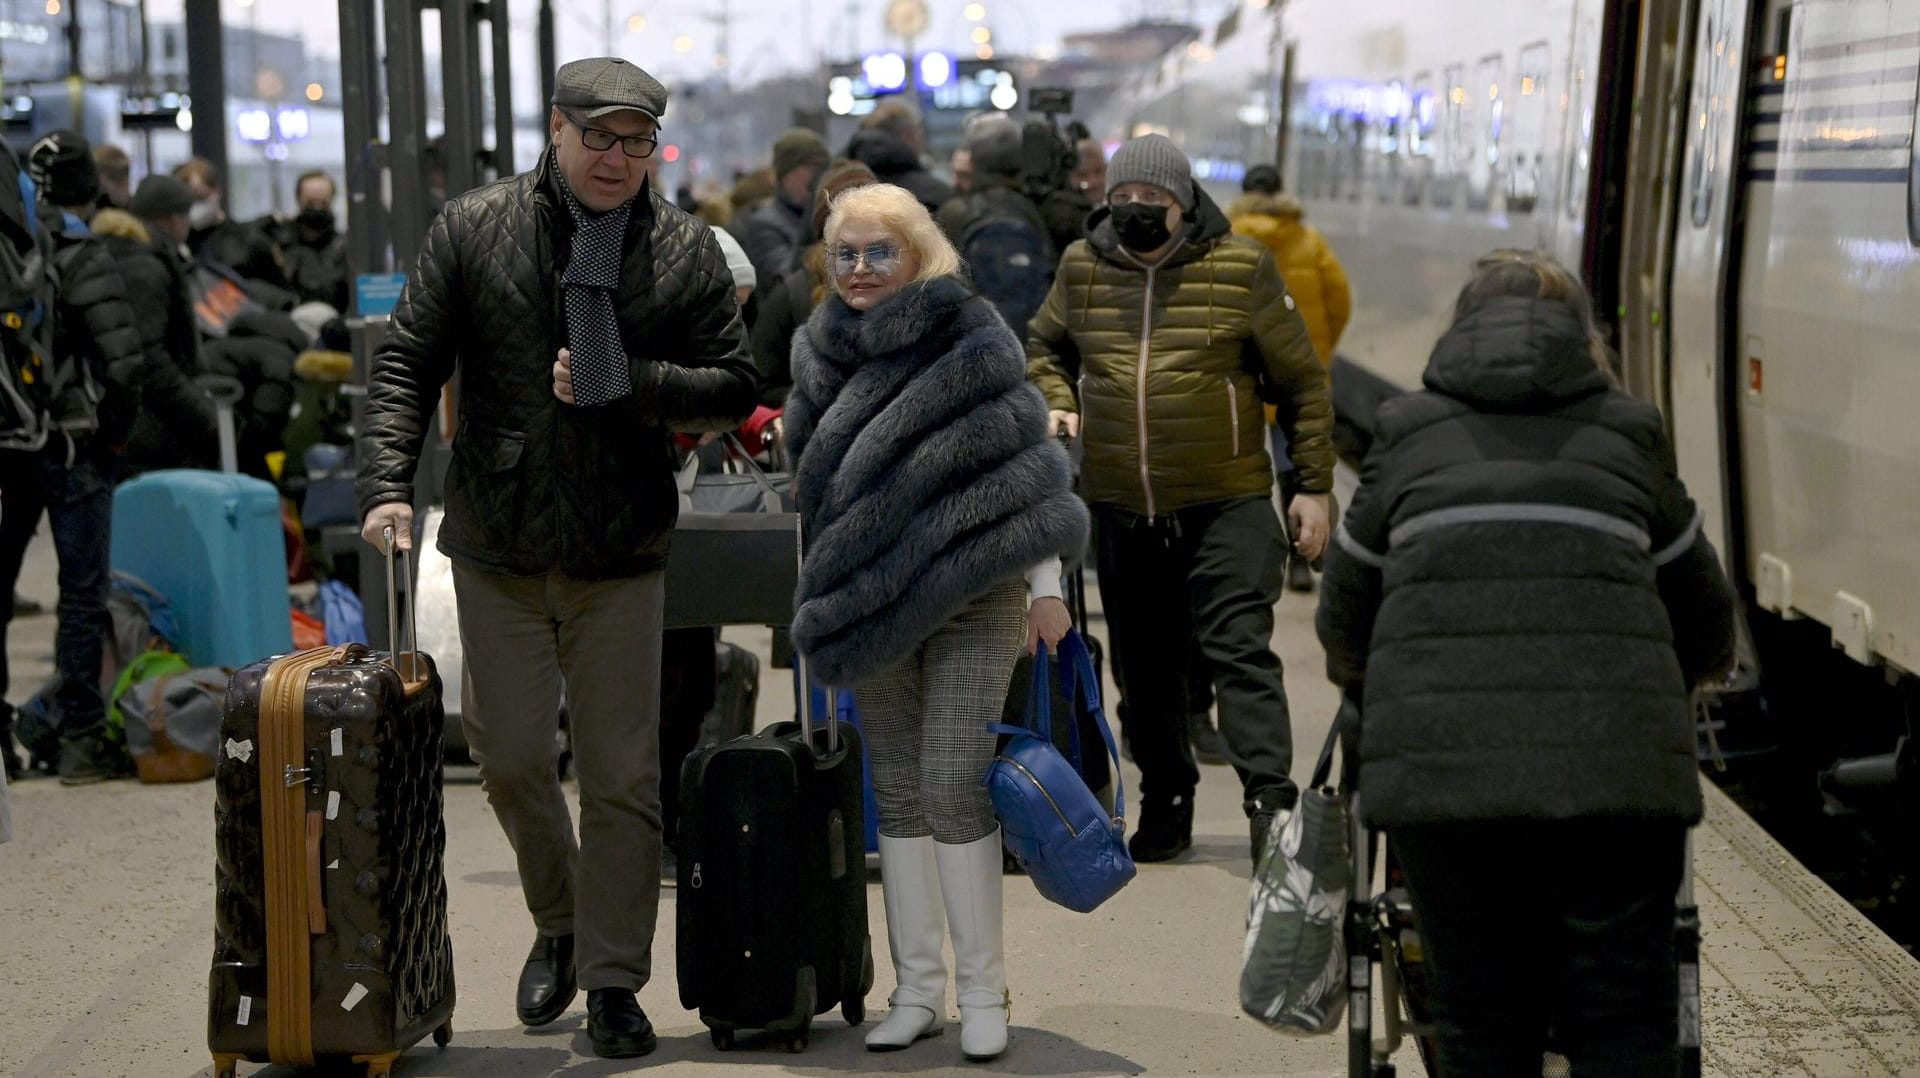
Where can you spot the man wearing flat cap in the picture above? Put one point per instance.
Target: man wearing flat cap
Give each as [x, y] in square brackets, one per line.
[588, 317]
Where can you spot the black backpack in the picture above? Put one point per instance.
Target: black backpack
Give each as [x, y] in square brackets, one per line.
[1010, 260]
[26, 312]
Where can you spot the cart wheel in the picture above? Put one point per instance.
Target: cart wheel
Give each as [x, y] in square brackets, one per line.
[854, 1009]
[722, 1039]
[444, 1035]
[798, 1042]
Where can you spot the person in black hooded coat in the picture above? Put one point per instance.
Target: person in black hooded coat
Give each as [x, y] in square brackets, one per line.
[1522, 597]
[890, 142]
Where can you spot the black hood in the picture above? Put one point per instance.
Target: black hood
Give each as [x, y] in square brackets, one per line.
[885, 153]
[1205, 226]
[1516, 354]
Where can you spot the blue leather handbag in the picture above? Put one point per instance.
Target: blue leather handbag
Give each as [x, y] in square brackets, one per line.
[1075, 853]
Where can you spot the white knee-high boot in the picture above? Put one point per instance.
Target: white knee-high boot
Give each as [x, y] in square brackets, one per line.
[916, 931]
[970, 882]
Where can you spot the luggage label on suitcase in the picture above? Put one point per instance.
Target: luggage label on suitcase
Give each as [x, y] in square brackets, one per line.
[331, 923]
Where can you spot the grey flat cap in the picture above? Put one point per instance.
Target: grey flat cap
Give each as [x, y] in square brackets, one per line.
[607, 84]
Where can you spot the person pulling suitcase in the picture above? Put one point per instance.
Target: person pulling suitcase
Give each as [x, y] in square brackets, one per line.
[560, 505]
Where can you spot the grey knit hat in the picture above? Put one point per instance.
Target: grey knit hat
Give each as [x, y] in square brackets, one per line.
[1153, 159]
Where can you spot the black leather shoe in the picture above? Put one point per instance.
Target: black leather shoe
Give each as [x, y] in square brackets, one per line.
[617, 1026]
[547, 984]
[1166, 829]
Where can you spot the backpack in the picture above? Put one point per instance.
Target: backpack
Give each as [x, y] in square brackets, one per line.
[1010, 261]
[26, 301]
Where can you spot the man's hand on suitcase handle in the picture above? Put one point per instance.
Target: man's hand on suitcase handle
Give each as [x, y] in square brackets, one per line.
[1067, 423]
[395, 515]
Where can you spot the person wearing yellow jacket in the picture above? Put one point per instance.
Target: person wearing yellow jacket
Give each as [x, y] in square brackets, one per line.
[1314, 277]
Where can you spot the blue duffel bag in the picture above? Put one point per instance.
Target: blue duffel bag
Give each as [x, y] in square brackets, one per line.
[1053, 825]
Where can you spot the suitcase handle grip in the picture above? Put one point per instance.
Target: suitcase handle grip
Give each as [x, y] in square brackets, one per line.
[410, 671]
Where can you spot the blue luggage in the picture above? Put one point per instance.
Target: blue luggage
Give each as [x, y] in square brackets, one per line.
[212, 543]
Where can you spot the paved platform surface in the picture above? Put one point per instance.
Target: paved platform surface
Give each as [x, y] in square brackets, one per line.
[107, 931]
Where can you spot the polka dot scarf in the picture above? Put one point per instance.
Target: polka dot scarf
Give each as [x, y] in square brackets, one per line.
[600, 371]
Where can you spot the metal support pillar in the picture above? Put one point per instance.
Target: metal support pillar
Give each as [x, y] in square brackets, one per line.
[500, 24]
[549, 54]
[367, 231]
[207, 81]
[407, 123]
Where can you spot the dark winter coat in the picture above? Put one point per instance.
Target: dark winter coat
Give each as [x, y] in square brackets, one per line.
[772, 238]
[1219, 333]
[175, 425]
[1522, 587]
[926, 476]
[784, 307]
[894, 162]
[536, 485]
[94, 332]
[317, 269]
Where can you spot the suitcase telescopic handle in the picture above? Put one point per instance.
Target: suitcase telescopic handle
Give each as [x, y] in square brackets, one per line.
[394, 642]
[800, 661]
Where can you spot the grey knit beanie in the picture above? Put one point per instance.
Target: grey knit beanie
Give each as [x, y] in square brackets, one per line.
[1153, 159]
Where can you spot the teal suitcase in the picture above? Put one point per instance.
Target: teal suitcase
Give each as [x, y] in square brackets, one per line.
[211, 542]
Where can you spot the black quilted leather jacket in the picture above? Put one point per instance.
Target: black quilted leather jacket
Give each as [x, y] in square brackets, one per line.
[537, 486]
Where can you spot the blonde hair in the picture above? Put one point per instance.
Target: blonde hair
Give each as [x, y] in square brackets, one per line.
[899, 212]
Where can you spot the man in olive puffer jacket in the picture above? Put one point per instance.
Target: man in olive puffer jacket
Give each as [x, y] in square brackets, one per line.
[1162, 335]
[589, 317]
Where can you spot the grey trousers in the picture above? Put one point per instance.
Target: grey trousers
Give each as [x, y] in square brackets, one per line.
[926, 721]
[523, 636]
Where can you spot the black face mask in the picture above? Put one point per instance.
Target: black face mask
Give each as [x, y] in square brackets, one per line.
[316, 221]
[1141, 227]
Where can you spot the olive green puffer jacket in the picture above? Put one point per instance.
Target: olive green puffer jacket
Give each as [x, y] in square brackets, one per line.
[1218, 335]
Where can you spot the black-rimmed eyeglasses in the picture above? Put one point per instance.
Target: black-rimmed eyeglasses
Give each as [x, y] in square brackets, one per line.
[600, 140]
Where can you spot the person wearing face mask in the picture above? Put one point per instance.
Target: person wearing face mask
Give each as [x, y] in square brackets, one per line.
[1162, 335]
[587, 317]
[936, 513]
[247, 250]
[316, 249]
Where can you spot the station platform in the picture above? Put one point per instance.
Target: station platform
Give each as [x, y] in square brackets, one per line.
[107, 926]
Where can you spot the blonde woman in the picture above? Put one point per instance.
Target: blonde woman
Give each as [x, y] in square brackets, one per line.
[936, 512]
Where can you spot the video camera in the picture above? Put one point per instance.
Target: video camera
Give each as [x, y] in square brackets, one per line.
[1047, 156]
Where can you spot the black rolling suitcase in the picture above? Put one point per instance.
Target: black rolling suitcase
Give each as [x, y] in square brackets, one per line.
[772, 905]
[330, 913]
[736, 694]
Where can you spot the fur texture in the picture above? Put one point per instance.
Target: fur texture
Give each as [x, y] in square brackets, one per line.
[925, 474]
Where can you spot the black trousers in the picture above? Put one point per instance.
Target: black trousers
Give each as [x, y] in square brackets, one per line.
[1209, 576]
[1549, 935]
[78, 502]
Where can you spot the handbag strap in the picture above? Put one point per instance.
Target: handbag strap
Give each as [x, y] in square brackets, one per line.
[1344, 720]
[772, 499]
[1077, 682]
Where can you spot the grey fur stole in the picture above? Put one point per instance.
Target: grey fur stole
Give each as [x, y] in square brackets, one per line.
[925, 475]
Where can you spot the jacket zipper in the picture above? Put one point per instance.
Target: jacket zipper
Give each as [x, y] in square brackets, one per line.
[1051, 803]
[1233, 415]
[1146, 336]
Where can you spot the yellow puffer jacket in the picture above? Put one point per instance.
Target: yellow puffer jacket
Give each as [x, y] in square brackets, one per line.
[1167, 367]
[1313, 274]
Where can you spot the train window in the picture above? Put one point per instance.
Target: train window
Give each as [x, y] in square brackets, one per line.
[1456, 154]
[1486, 166]
[1711, 65]
[1579, 151]
[1528, 129]
[1423, 111]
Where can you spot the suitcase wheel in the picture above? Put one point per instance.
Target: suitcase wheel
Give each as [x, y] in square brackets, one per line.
[722, 1039]
[1384, 1070]
[444, 1035]
[225, 1066]
[380, 1066]
[797, 1042]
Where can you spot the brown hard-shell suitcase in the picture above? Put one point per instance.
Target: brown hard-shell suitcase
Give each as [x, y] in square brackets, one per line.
[330, 922]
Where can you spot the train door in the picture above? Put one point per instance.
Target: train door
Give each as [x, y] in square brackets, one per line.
[1705, 274]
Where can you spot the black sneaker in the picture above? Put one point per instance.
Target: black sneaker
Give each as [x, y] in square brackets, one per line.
[1165, 831]
[617, 1026]
[1261, 811]
[89, 758]
[1208, 746]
